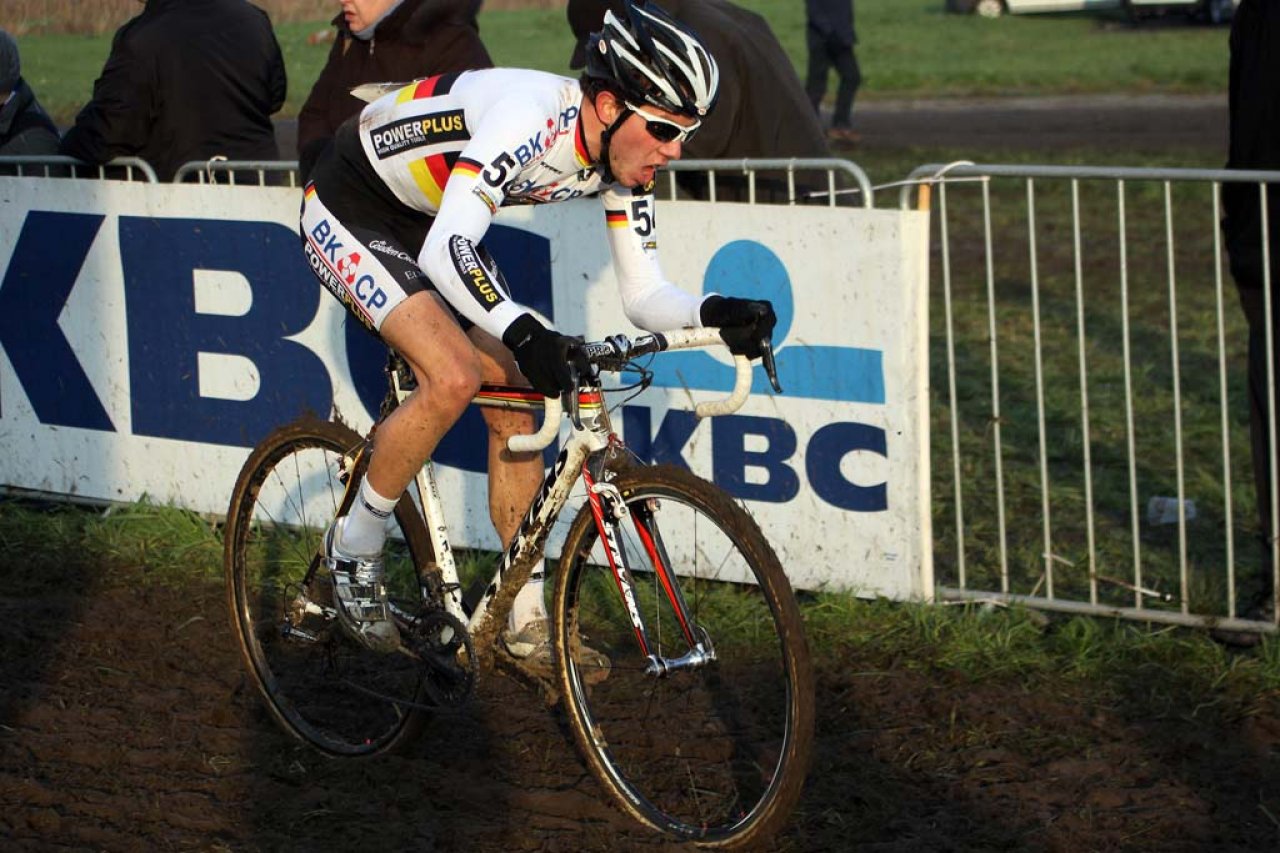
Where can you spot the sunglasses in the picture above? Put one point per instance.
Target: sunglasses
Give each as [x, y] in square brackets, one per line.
[662, 129]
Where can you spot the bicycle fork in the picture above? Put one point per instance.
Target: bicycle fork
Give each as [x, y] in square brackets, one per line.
[610, 511]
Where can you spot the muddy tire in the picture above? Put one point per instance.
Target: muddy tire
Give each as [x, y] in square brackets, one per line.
[715, 754]
[319, 685]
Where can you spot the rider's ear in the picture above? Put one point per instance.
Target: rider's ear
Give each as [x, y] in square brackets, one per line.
[608, 107]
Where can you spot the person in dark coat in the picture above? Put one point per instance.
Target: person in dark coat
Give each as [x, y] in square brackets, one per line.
[186, 80]
[380, 41]
[762, 110]
[830, 37]
[1254, 144]
[25, 128]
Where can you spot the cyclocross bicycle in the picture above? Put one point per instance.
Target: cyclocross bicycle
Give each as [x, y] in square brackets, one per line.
[698, 719]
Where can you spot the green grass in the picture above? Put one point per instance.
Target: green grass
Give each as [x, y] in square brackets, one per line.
[1153, 414]
[146, 544]
[907, 49]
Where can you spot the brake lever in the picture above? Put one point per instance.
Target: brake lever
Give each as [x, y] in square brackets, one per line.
[770, 365]
[573, 396]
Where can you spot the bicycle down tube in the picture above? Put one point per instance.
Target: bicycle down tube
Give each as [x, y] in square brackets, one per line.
[591, 432]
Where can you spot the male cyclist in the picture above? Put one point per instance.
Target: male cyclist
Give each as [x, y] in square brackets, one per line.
[392, 224]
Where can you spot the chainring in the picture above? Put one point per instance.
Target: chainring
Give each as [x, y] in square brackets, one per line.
[443, 645]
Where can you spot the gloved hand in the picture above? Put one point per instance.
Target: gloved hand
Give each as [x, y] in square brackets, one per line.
[544, 355]
[743, 323]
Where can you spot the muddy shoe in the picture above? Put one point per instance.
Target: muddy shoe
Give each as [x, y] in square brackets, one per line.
[531, 647]
[360, 597]
[844, 135]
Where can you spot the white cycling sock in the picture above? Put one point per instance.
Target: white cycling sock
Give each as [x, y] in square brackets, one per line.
[529, 606]
[364, 530]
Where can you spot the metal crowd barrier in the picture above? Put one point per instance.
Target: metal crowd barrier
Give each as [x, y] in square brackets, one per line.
[826, 181]
[792, 181]
[1095, 406]
[57, 166]
[239, 172]
[826, 187]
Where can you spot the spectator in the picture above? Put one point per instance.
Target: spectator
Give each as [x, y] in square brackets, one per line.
[830, 37]
[762, 112]
[25, 128]
[1254, 143]
[414, 39]
[186, 80]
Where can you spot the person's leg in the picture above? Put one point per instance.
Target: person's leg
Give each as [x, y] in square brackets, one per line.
[514, 478]
[448, 370]
[816, 79]
[1251, 301]
[846, 65]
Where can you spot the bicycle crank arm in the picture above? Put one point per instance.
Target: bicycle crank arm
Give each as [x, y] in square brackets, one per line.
[290, 632]
[695, 658]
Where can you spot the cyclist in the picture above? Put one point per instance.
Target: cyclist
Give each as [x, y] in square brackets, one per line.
[392, 223]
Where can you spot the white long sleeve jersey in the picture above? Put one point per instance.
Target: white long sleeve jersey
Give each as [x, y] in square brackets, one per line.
[461, 146]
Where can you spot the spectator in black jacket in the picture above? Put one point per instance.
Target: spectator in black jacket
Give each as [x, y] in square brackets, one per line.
[830, 37]
[1254, 140]
[382, 41]
[186, 80]
[762, 109]
[25, 128]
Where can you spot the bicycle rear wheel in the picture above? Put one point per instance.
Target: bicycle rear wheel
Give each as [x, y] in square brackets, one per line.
[320, 685]
[716, 754]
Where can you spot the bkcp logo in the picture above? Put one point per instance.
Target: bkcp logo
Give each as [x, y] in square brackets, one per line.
[166, 334]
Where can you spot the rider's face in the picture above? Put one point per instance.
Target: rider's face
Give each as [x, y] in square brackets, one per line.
[361, 13]
[635, 154]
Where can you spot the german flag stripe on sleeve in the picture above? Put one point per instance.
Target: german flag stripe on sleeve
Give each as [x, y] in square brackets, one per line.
[616, 218]
[467, 167]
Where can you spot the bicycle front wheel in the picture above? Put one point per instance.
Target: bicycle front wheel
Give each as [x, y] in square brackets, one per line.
[716, 752]
[320, 685]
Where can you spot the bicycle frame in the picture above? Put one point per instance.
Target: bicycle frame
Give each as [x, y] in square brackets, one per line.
[590, 436]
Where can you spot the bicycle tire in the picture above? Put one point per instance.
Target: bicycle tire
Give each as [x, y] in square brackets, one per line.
[716, 755]
[329, 691]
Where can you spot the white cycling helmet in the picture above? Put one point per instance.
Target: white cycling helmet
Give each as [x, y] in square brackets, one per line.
[654, 59]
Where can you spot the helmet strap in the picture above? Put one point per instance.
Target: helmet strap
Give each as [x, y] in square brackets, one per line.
[606, 136]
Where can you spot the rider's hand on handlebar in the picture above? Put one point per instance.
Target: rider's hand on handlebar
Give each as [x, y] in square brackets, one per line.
[744, 323]
[545, 356]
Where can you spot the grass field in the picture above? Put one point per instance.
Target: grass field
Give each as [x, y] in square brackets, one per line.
[907, 49]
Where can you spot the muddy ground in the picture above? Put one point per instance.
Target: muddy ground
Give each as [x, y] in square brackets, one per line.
[125, 724]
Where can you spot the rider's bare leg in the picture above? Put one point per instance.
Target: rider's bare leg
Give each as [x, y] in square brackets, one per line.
[448, 369]
[513, 477]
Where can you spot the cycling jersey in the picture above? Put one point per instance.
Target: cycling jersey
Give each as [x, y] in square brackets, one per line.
[456, 148]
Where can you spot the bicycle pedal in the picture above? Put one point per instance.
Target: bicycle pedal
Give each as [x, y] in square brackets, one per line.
[292, 632]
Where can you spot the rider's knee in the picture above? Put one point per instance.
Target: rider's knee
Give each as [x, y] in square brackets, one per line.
[454, 388]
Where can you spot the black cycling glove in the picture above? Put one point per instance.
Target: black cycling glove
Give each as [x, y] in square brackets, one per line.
[544, 355]
[743, 323]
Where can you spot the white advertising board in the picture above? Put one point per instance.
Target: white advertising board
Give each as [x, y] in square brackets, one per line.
[150, 334]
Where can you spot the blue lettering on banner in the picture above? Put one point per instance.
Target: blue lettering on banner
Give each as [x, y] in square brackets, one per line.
[777, 481]
[730, 459]
[749, 269]
[752, 457]
[676, 430]
[827, 447]
[166, 332]
[46, 261]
